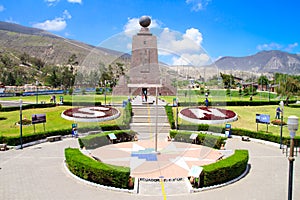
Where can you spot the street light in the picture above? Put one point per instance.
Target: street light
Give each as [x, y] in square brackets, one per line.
[281, 122]
[37, 92]
[105, 93]
[292, 123]
[21, 140]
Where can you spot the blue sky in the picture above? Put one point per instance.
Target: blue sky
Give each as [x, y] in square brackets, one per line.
[221, 27]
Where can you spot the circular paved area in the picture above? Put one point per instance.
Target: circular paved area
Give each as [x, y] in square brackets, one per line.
[174, 159]
[37, 172]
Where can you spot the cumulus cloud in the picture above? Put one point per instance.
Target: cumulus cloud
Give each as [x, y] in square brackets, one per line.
[1, 8]
[182, 49]
[133, 26]
[57, 24]
[276, 46]
[75, 1]
[290, 47]
[191, 59]
[52, 2]
[66, 15]
[198, 5]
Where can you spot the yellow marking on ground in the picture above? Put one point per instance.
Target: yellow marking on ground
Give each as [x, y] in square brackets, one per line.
[149, 121]
[163, 189]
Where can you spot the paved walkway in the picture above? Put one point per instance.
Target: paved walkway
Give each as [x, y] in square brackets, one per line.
[37, 172]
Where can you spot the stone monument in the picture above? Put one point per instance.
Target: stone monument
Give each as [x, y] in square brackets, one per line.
[144, 76]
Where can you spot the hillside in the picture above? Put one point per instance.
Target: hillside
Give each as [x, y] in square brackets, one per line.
[51, 49]
[263, 62]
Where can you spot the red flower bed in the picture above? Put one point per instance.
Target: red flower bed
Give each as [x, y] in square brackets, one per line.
[207, 116]
[70, 112]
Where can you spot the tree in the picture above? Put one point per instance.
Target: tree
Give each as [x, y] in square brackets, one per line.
[228, 80]
[263, 80]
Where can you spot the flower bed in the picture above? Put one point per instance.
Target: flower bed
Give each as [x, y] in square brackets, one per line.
[207, 115]
[91, 114]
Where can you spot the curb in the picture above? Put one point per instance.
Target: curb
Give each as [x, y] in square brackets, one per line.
[95, 184]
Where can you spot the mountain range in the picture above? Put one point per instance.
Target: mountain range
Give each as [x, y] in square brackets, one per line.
[52, 49]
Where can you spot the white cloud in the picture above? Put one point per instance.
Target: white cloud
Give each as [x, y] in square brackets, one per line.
[276, 46]
[10, 20]
[133, 26]
[188, 43]
[2, 8]
[198, 5]
[52, 2]
[290, 47]
[66, 15]
[269, 46]
[56, 24]
[191, 59]
[75, 1]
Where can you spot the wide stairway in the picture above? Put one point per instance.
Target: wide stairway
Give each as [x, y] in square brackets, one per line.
[149, 118]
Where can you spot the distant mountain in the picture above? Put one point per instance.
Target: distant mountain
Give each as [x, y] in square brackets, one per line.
[52, 49]
[263, 62]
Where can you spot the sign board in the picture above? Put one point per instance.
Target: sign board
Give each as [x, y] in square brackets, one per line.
[262, 118]
[38, 118]
[195, 171]
[112, 136]
[228, 126]
[193, 136]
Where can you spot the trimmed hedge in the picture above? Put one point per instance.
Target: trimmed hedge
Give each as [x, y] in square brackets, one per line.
[240, 132]
[15, 140]
[234, 103]
[27, 106]
[225, 170]
[203, 139]
[127, 115]
[95, 171]
[169, 112]
[98, 140]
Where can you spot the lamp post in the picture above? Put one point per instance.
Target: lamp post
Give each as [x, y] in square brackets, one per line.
[281, 122]
[21, 140]
[293, 127]
[37, 92]
[105, 92]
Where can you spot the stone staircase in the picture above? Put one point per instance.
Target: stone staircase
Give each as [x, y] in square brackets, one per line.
[147, 117]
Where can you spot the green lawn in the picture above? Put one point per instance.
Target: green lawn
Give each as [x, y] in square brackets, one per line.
[69, 98]
[247, 114]
[53, 117]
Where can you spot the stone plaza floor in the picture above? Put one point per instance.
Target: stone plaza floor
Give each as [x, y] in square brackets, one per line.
[38, 172]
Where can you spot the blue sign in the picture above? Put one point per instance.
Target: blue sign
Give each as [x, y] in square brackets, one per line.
[262, 118]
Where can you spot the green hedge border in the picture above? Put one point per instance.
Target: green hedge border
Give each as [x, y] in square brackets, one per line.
[98, 140]
[234, 103]
[95, 171]
[211, 141]
[225, 170]
[26, 107]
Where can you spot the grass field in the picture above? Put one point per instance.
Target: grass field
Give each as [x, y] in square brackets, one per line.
[55, 122]
[247, 114]
[8, 127]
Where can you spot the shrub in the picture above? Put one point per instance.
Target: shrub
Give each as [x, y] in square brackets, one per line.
[95, 171]
[225, 170]
[169, 112]
[203, 139]
[28, 106]
[278, 122]
[98, 140]
[127, 114]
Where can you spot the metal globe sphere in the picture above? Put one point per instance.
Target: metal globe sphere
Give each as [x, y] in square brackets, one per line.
[145, 21]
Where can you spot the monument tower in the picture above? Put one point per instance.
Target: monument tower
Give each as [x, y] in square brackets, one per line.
[144, 75]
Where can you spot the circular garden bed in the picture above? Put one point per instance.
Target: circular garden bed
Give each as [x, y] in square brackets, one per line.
[207, 115]
[91, 114]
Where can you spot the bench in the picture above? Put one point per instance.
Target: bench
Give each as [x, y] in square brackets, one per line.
[3, 147]
[54, 138]
[245, 138]
[43, 102]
